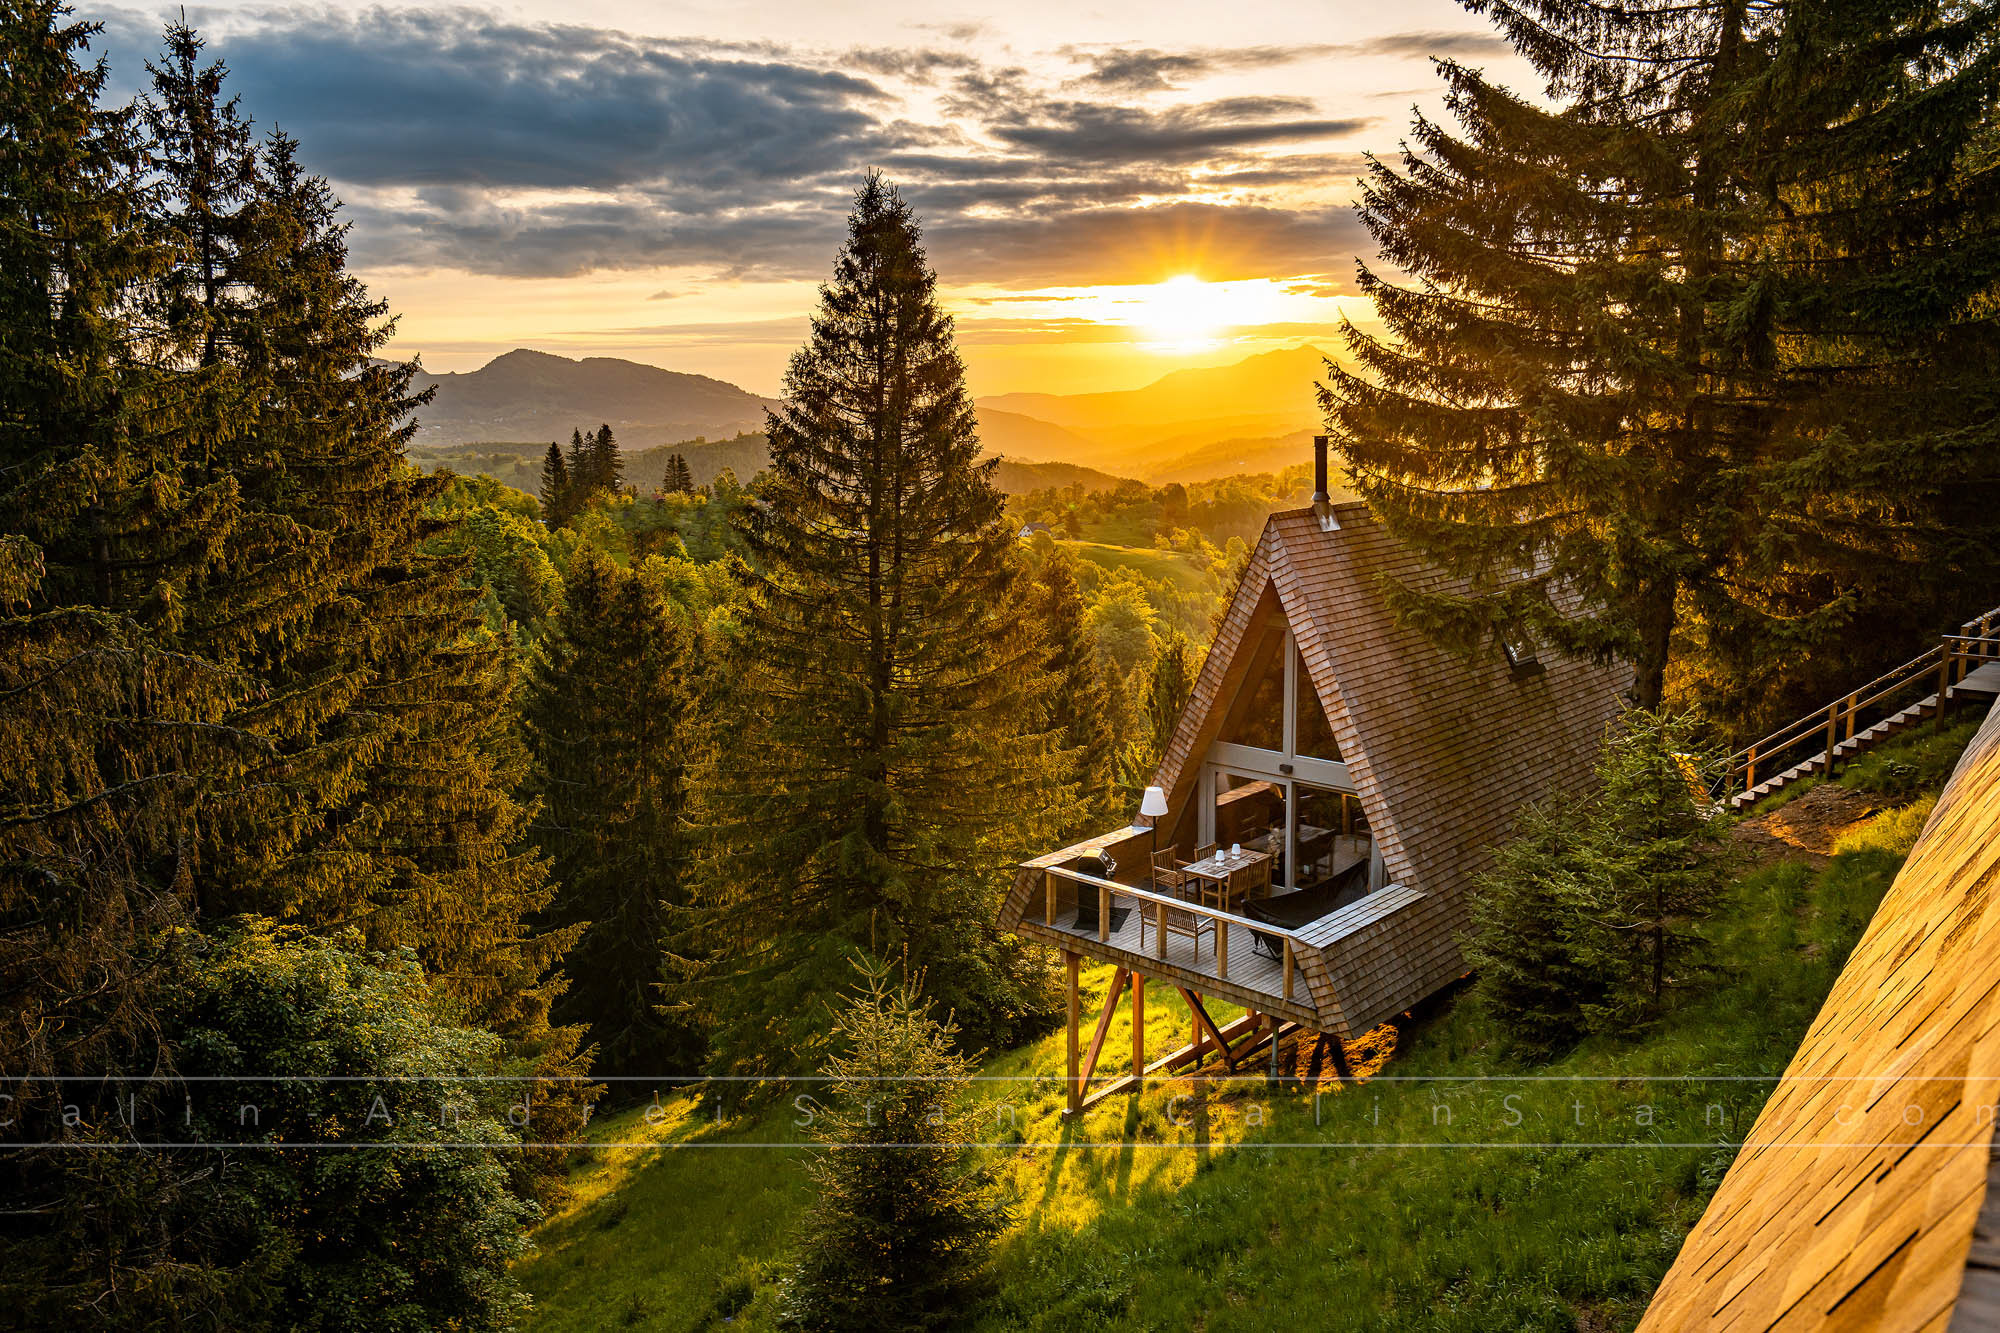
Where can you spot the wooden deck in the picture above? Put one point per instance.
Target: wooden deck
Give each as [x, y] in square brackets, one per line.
[1249, 970]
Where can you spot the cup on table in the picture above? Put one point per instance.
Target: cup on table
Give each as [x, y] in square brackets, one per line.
[1235, 850]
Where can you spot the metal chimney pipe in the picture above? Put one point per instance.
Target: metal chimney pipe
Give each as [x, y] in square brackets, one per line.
[1322, 503]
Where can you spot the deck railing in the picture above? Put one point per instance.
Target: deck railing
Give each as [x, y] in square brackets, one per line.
[1159, 904]
[1820, 733]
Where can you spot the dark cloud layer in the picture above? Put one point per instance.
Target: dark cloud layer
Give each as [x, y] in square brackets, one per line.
[468, 141]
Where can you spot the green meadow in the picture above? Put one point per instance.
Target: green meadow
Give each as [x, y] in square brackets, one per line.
[1450, 1187]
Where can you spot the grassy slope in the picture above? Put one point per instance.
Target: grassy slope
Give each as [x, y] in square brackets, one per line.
[1214, 1224]
[1147, 560]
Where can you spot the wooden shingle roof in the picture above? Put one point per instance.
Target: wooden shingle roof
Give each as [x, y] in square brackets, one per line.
[1856, 1202]
[1442, 750]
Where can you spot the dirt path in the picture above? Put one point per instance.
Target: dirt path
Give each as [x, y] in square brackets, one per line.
[1805, 829]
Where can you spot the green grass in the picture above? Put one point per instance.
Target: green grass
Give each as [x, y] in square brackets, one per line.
[1146, 560]
[1420, 1205]
[1917, 761]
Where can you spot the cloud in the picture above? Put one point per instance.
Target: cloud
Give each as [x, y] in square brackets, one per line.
[1423, 45]
[1103, 133]
[920, 65]
[1120, 245]
[470, 141]
[1149, 70]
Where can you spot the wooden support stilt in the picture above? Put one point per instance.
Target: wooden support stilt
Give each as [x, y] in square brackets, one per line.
[1203, 1021]
[1272, 1077]
[1070, 963]
[1138, 1024]
[1111, 999]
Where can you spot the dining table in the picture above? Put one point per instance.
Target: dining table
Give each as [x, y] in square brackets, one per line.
[1233, 876]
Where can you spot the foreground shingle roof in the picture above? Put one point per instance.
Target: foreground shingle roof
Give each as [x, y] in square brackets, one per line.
[1856, 1199]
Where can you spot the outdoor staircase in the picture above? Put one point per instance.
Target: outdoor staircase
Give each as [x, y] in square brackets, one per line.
[1960, 667]
[1922, 710]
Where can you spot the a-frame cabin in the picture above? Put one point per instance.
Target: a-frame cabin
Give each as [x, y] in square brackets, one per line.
[1364, 773]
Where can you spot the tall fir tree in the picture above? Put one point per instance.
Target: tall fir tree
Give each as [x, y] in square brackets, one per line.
[555, 487]
[232, 520]
[579, 468]
[607, 464]
[1681, 366]
[1169, 685]
[606, 713]
[678, 479]
[388, 801]
[1080, 708]
[205, 155]
[886, 754]
[111, 736]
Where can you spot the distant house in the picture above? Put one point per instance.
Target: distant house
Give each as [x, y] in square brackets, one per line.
[1030, 529]
[1365, 774]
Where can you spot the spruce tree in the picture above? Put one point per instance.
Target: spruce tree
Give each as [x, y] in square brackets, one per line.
[607, 465]
[903, 1215]
[1596, 908]
[555, 487]
[110, 735]
[387, 695]
[678, 479]
[885, 757]
[1079, 705]
[606, 714]
[1682, 363]
[580, 469]
[1864, 342]
[204, 152]
[1169, 684]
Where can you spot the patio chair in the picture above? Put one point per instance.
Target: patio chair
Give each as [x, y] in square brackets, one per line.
[1181, 921]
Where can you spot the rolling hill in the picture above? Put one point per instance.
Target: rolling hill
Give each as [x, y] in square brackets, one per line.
[1189, 425]
[520, 464]
[527, 395]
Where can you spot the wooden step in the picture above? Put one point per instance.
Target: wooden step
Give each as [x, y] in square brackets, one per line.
[1919, 711]
[1980, 683]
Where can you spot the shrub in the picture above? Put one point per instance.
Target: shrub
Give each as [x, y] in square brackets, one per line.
[1596, 907]
[899, 1235]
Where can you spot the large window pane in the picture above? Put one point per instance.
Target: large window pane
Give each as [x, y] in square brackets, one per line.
[1315, 737]
[1247, 810]
[1257, 715]
[1332, 841]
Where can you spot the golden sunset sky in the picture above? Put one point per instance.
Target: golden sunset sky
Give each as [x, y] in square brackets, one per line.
[1110, 191]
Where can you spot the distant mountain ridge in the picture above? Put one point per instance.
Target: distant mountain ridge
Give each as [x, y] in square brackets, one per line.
[1256, 415]
[529, 395]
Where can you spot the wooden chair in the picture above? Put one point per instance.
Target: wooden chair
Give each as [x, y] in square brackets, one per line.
[1167, 873]
[1180, 921]
[1203, 852]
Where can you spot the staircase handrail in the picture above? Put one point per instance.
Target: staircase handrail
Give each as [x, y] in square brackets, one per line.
[1982, 629]
[1807, 723]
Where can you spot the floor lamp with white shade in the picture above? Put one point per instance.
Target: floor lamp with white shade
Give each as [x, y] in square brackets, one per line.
[1154, 805]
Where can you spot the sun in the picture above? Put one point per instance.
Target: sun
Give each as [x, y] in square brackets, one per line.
[1184, 312]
